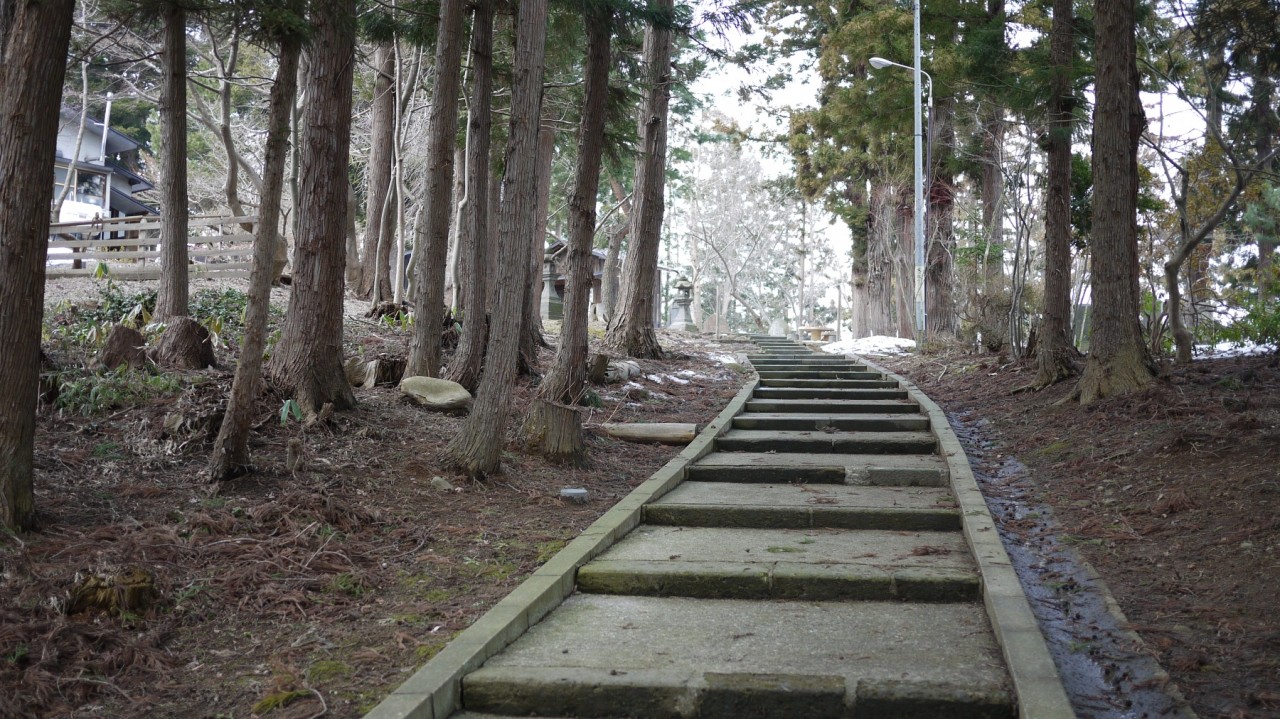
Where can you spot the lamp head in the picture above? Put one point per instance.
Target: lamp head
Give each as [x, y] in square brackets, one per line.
[879, 63]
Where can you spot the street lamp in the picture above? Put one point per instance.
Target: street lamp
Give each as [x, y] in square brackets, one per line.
[880, 63]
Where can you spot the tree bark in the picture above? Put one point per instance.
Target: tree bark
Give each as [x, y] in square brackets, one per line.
[433, 233]
[375, 268]
[33, 61]
[940, 306]
[1118, 359]
[308, 358]
[1055, 352]
[566, 382]
[231, 449]
[171, 300]
[631, 330]
[880, 261]
[477, 449]
[467, 358]
[609, 277]
[532, 338]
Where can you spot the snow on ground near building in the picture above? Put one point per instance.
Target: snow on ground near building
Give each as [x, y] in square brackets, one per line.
[1231, 349]
[877, 345]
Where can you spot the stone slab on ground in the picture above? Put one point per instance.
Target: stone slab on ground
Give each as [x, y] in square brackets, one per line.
[809, 421]
[645, 656]
[901, 470]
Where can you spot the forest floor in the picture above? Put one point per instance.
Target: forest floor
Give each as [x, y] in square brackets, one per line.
[288, 594]
[1172, 494]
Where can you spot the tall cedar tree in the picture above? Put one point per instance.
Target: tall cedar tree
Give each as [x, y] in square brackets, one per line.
[308, 358]
[565, 383]
[939, 286]
[171, 299]
[477, 449]
[1056, 353]
[375, 258]
[475, 237]
[433, 235]
[630, 330]
[34, 35]
[1118, 359]
[231, 449]
[532, 339]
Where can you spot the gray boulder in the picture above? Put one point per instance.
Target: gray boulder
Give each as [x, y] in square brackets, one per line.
[434, 393]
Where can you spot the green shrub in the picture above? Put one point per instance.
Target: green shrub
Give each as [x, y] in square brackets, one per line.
[1260, 325]
[90, 393]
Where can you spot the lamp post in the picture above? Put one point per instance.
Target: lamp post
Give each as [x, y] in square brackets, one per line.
[880, 63]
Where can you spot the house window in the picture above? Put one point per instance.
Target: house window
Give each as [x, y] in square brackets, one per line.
[90, 188]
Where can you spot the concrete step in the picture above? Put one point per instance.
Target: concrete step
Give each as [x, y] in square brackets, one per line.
[820, 393]
[815, 564]
[851, 406]
[624, 656]
[860, 380]
[820, 442]
[816, 373]
[806, 366]
[803, 506]
[818, 421]
[879, 470]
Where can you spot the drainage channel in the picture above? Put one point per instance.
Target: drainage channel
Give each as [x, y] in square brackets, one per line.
[818, 555]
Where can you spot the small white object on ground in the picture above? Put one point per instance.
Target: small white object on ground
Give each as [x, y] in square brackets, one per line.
[574, 494]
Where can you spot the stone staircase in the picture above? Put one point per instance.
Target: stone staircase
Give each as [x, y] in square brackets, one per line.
[812, 565]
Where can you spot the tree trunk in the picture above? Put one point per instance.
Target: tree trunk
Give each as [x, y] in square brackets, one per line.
[477, 449]
[308, 359]
[465, 366]
[532, 338]
[1118, 358]
[631, 329]
[566, 382]
[231, 449]
[33, 62]
[880, 261]
[1055, 352]
[609, 277]
[904, 265]
[433, 237]
[375, 268]
[940, 306]
[171, 300]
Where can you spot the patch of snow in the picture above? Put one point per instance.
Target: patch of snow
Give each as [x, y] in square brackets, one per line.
[877, 345]
[1232, 349]
[723, 359]
[632, 385]
[690, 373]
[653, 378]
[678, 380]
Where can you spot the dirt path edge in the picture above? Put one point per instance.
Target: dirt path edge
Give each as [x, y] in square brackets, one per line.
[435, 690]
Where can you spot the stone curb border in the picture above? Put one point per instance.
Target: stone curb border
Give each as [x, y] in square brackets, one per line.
[435, 690]
[1035, 678]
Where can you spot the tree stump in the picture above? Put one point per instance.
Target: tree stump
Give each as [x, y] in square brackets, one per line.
[124, 346]
[554, 430]
[185, 344]
[598, 369]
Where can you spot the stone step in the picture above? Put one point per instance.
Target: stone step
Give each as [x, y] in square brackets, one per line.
[852, 406]
[816, 373]
[814, 564]
[818, 421]
[819, 442]
[804, 506]
[626, 656]
[806, 366]
[821, 393]
[879, 470]
[862, 380]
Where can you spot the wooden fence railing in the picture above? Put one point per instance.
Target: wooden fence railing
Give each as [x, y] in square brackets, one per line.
[129, 247]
